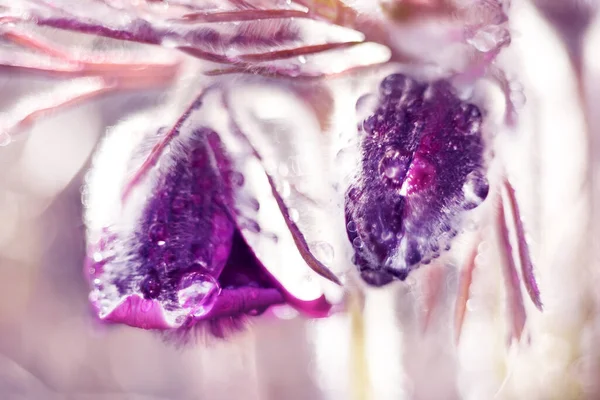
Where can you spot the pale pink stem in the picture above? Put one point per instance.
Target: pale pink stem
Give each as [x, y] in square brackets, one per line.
[30, 42]
[87, 66]
[38, 113]
[527, 269]
[240, 16]
[343, 15]
[514, 297]
[61, 104]
[464, 288]
[289, 73]
[300, 51]
[242, 62]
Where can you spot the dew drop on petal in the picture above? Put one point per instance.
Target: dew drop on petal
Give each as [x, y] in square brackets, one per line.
[351, 226]
[294, 214]
[5, 139]
[256, 311]
[285, 189]
[150, 287]
[489, 38]
[387, 235]
[253, 226]
[393, 166]
[237, 179]
[475, 189]
[365, 106]
[197, 293]
[368, 124]
[97, 256]
[358, 243]
[157, 232]
[323, 251]
[254, 204]
[518, 99]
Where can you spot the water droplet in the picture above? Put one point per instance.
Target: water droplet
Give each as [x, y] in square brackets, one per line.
[302, 59]
[257, 311]
[93, 296]
[157, 232]
[351, 226]
[357, 242]
[468, 119]
[393, 166]
[489, 38]
[254, 204]
[475, 190]
[237, 179]
[412, 255]
[368, 125]
[151, 287]
[285, 190]
[198, 293]
[323, 251]
[365, 106]
[285, 312]
[5, 139]
[294, 214]
[283, 170]
[394, 84]
[518, 99]
[387, 235]
[354, 194]
[253, 226]
[376, 229]
[97, 256]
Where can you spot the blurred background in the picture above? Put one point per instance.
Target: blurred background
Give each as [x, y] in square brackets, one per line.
[51, 347]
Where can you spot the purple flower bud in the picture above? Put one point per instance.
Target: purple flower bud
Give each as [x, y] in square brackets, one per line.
[422, 166]
[169, 254]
